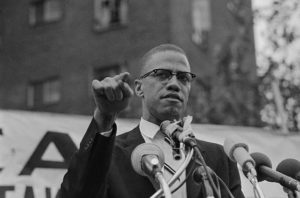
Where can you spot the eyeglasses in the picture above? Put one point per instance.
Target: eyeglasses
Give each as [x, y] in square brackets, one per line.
[165, 74]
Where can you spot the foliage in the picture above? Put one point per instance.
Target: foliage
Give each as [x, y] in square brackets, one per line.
[278, 60]
[231, 95]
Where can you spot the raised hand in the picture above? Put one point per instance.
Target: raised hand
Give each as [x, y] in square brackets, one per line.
[111, 96]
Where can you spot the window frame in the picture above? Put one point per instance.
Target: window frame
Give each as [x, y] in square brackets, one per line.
[201, 11]
[100, 25]
[40, 11]
[37, 92]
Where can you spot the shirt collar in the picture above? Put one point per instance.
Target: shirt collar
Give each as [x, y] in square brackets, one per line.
[148, 129]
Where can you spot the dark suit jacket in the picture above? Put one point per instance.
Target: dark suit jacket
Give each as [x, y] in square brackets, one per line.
[102, 168]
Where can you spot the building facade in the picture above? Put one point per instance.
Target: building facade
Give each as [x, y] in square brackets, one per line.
[51, 50]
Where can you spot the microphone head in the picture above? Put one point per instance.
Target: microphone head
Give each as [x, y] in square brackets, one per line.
[290, 167]
[230, 145]
[143, 150]
[261, 160]
[238, 152]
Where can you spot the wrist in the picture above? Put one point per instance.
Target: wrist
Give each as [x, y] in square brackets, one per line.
[104, 121]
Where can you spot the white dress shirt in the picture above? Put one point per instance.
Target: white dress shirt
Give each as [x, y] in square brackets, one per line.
[149, 132]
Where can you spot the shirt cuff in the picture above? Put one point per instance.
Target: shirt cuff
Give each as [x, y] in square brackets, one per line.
[106, 133]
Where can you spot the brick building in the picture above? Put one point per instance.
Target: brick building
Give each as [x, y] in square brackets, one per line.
[50, 50]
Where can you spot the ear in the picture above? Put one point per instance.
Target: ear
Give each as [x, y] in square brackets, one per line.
[138, 88]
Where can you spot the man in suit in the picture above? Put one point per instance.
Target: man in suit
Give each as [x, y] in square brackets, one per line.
[102, 167]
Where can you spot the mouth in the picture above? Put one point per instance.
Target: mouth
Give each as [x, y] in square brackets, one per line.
[172, 96]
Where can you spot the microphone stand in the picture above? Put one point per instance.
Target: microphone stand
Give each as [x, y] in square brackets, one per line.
[201, 159]
[256, 187]
[177, 173]
[163, 185]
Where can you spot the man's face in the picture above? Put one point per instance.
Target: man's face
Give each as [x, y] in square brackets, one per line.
[164, 99]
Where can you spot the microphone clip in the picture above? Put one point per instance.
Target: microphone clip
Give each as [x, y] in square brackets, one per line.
[176, 150]
[175, 144]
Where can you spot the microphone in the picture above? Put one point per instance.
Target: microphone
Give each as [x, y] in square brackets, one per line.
[147, 159]
[173, 130]
[261, 160]
[238, 152]
[290, 167]
[265, 172]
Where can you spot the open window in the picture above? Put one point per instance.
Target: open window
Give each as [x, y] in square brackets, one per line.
[110, 13]
[201, 20]
[45, 11]
[44, 92]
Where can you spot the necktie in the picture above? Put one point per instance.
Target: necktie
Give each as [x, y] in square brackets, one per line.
[171, 164]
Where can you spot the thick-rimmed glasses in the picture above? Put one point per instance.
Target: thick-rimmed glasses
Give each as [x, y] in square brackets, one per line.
[165, 74]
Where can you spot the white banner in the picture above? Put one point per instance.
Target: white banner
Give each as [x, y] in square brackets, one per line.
[35, 149]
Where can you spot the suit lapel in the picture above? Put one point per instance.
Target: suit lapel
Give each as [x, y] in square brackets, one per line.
[133, 139]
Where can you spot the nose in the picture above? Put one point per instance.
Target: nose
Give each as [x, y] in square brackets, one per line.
[173, 84]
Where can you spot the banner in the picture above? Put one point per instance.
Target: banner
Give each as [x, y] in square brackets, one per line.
[35, 149]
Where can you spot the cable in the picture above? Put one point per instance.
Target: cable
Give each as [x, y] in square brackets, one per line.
[219, 179]
[197, 150]
[255, 192]
[257, 189]
[188, 175]
[184, 165]
[178, 172]
[164, 185]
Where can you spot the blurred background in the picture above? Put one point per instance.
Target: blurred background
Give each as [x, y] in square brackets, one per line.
[245, 54]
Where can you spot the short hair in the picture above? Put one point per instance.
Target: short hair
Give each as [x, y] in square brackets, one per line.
[160, 48]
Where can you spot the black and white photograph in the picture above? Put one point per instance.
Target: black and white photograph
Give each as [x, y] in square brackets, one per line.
[149, 99]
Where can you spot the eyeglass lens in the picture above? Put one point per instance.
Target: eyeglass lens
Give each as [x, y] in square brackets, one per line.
[163, 74]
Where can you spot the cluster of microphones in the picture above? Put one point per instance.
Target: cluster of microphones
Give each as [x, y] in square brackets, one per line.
[148, 160]
[257, 167]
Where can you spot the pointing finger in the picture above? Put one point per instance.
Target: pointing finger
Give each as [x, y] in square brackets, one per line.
[97, 86]
[125, 77]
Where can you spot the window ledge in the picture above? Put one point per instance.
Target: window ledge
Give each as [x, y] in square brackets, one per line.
[113, 27]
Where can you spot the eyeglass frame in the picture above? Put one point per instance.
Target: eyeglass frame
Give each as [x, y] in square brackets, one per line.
[173, 73]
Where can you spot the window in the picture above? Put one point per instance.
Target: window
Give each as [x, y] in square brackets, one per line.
[45, 11]
[201, 21]
[43, 93]
[110, 13]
